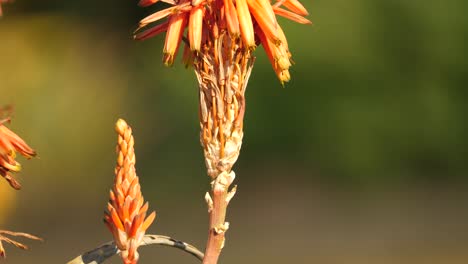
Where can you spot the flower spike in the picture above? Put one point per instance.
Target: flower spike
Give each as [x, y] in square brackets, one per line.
[296, 7]
[125, 215]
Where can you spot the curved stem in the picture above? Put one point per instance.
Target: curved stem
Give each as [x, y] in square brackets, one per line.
[109, 249]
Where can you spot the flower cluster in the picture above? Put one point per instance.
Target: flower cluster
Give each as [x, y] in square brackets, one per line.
[126, 211]
[253, 21]
[10, 143]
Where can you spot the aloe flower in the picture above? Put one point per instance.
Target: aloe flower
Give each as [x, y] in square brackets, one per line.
[219, 43]
[126, 212]
[10, 143]
[245, 19]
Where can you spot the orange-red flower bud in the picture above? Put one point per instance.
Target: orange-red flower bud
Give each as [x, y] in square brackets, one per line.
[125, 215]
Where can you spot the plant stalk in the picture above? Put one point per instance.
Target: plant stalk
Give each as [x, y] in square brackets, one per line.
[102, 253]
[217, 207]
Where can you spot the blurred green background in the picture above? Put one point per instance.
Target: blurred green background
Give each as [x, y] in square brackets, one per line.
[362, 158]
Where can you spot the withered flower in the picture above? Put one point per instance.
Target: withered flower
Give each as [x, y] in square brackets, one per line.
[207, 19]
[10, 143]
[125, 215]
[17, 244]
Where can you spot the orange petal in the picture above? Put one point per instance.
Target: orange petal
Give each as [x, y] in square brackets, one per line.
[296, 7]
[18, 143]
[5, 145]
[145, 3]
[116, 220]
[107, 222]
[195, 27]
[284, 41]
[231, 18]
[119, 195]
[149, 33]
[149, 220]
[133, 189]
[133, 209]
[174, 34]
[125, 210]
[111, 195]
[144, 208]
[265, 18]
[136, 225]
[277, 56]
[197, 2]
[266, 6]
[290, 15]
[161, 14]
[246, 24]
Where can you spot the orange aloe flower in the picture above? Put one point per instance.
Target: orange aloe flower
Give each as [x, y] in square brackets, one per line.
[10, 143]
[125, 215]
[249, 20]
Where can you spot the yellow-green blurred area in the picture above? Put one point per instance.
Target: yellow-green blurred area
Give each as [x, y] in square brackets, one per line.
[361, 158]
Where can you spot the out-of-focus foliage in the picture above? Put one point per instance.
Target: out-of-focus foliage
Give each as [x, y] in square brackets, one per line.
[377, 90]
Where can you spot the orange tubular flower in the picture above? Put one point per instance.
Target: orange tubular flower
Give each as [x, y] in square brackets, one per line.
[10, 143]
[239, 18]
[125, 215]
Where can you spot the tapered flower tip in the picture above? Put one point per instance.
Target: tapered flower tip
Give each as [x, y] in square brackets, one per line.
[120, 126]
[126, 211]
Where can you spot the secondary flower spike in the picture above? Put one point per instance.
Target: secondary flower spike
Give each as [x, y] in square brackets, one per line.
[253, 21]
[10, 143]
[126, 212]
